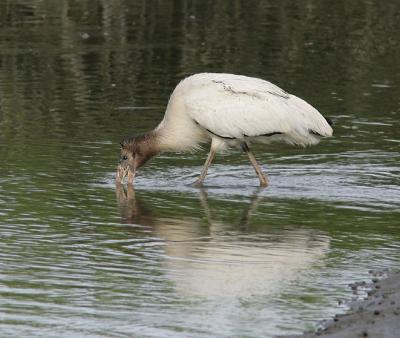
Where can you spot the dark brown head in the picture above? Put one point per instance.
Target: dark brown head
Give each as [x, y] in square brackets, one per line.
[134, 153]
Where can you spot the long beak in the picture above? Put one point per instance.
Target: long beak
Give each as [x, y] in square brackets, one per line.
[123, 172]
[131, 176]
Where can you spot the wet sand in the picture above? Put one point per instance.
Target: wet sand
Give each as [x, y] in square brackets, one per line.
[376, 316]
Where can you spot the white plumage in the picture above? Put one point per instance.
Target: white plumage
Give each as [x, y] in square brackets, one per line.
[231, 107]
[229, 110]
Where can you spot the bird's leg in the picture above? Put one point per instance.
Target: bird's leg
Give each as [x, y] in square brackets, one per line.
[263, 178]
[203, 174]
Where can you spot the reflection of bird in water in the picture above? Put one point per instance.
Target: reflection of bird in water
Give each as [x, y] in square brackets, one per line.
[245, 215]
[228, 110]
[224, 259]
[131, 209]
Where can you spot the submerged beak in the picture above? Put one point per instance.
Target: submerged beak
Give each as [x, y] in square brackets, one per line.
[131, 176]
[123, 172]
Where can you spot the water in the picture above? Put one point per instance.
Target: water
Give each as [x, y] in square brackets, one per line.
[82, 258]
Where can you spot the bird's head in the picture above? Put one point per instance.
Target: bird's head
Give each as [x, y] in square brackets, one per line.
[126, 163]
[135, 152]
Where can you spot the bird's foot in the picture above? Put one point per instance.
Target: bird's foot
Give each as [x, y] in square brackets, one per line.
[197, 184]
[264, 182]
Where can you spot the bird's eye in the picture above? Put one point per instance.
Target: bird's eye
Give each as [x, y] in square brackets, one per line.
[124, 157]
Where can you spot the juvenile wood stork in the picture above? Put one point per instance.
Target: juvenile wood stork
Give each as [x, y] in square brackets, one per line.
[228, 110]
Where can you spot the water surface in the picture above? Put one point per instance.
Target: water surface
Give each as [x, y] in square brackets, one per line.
[80, 257]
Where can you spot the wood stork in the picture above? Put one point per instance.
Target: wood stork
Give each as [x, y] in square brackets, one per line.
[228, 110]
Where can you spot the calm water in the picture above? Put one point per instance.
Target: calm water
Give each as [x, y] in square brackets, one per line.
[80, 258]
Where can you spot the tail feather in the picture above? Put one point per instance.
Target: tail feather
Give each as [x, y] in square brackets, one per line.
[330, 122]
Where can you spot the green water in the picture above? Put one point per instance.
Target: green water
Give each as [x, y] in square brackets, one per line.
[80, 258]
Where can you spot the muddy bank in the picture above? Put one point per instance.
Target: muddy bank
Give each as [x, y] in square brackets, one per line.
[377, 316]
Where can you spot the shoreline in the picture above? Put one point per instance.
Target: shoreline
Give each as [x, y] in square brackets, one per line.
[378, 315]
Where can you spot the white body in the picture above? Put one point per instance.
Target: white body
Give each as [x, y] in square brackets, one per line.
[228, 109]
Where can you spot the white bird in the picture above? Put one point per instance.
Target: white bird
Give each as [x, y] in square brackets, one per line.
[228, 110]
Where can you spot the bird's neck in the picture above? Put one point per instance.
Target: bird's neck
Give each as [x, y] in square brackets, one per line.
[179, 135]
[166, 138]
[148, 144]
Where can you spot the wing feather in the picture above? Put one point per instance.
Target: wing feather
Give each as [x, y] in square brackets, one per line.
[234, 106]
